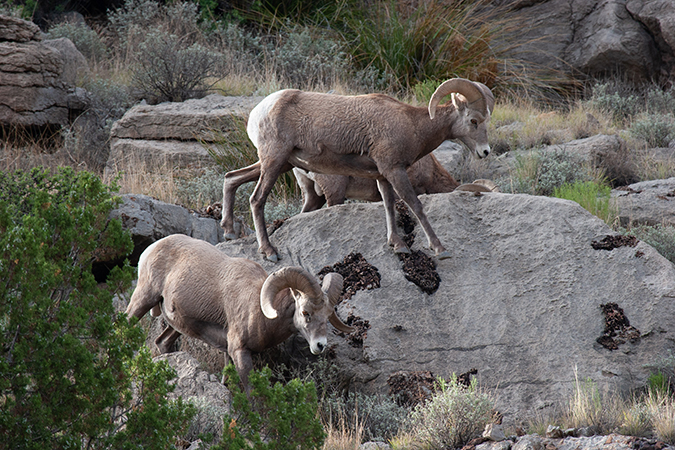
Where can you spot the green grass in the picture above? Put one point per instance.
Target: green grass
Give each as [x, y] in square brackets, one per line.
[593, 197]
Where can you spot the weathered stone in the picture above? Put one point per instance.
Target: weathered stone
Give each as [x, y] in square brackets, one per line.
[597, 37]
[13, 29]
[492, 445]
[494, 432]
[175, 134]
[528, 442]
[374, 446]
[553, 431]
[149, 220]
[519, 299]
[647, 202]
[37, 82]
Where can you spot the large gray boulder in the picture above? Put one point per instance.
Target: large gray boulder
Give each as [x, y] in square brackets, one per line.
[176, 134]
[37, 78]
[597, 37]
[519, 300]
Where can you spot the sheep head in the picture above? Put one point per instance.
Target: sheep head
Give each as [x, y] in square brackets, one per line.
[474, 103]
[314, 304]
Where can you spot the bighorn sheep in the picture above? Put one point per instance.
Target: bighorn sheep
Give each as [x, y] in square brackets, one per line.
[368, 136]
[427, 176]
[231, 303]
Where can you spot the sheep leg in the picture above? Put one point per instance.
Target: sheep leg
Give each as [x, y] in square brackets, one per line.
[244, 363]
[233, 180]
[389, 199]
[401, 183]
[142, 300]
[165, 341]
[268, 176]
[311, 199]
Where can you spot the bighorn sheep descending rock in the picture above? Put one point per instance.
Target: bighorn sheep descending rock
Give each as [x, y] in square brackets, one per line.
[231, 303]
[368, 136]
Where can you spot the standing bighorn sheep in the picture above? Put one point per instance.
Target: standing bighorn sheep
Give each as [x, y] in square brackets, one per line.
[368, 136]
[231, 303]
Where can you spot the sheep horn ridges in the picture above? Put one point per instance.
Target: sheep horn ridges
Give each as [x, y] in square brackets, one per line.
[289, 277]
[473, 94]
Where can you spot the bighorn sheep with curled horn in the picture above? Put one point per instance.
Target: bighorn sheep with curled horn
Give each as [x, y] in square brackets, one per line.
[368, 136]
[231, 303]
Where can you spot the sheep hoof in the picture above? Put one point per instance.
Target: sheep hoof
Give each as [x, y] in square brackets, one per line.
[230, 236]
[443, 255]
[402, 251]
[274, 257]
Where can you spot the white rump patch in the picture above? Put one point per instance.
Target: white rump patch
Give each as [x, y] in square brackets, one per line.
[257, 115]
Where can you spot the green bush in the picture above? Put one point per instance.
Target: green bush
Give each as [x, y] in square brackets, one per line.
[168, 70]
[453, 416]
[68, 374]
[622, 103]
[279, 417]
[205, 189]
[593, 197]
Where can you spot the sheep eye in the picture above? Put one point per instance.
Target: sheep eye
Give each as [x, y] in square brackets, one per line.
[308, 318]
[475, 123]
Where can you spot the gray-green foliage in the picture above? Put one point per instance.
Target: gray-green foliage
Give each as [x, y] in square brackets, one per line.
[453, 416]
[87, 41]
[380, 416]
[168, 69]
[620, 103]
[540, 173]
[298, 55]
[661, 237]
[657, 130]
[205, 189]
[207, 423]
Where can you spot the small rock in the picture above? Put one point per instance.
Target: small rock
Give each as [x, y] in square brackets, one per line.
[585, 432]
[374, 446]
[528, 442]
[494, 432]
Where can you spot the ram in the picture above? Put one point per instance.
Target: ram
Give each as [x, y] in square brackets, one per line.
[231, 303]
[368, 136]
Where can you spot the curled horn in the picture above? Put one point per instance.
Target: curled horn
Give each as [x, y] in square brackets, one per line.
[289, 277]
[467, 88]
[332, 286]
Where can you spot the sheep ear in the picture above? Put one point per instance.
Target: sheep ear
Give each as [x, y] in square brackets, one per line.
[458, 102]
[332, 287]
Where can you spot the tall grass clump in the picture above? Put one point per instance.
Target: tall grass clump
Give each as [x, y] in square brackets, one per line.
[589, 408]
[593, 197]
[453, 416]
[435, 41]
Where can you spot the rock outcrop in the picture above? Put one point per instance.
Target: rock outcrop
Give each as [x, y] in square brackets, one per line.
[521, 299]
[37, 78]
[175, 133]
[646, 203]
[631, 37]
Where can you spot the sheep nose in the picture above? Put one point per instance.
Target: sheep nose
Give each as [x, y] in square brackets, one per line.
[320, 346]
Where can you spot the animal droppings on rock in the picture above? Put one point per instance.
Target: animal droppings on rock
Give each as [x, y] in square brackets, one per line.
[417, 267]
[614, 241]
[465, 378]
[411, 388]
[356, 272]
[403, 218]
[356, 337]
[213, 211]
[617, 327]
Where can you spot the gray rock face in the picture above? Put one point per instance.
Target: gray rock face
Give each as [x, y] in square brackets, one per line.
[647, 203]
[598, 37]
[175, 132]
[519, 299]
[149, 220]
[37, 79]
